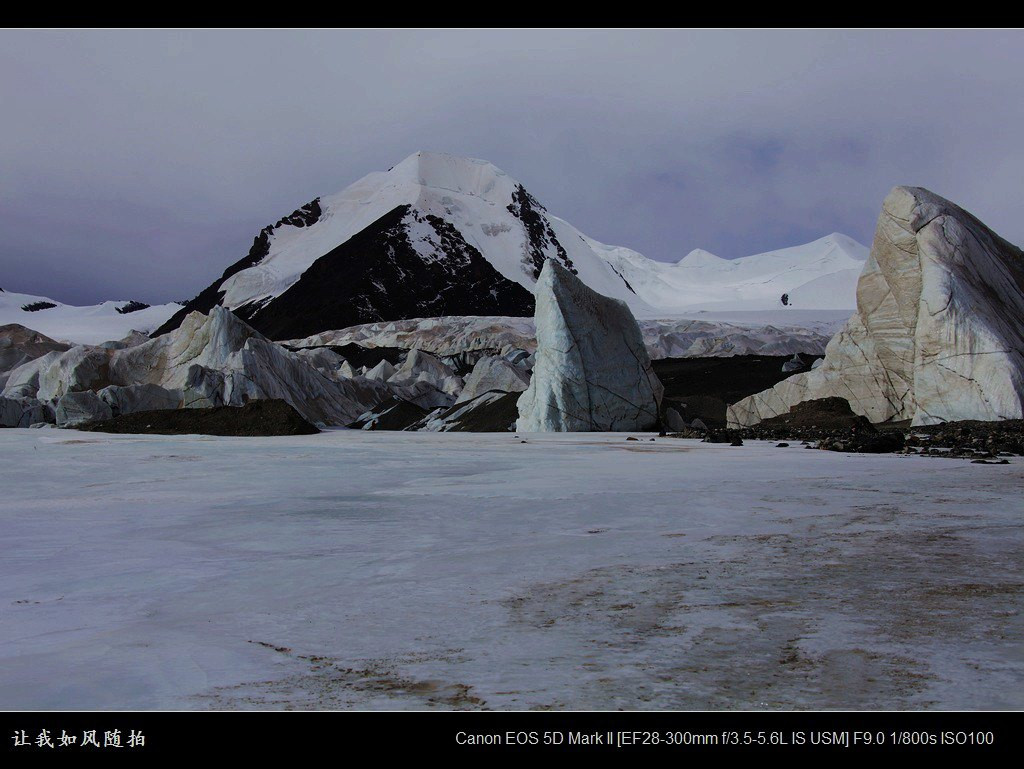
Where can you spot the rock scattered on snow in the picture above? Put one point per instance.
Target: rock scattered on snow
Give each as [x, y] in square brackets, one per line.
[674, 422]
[592, 371]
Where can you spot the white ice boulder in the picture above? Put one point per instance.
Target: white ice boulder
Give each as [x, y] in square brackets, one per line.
[591, 371]
[75, 408]
[23, 412]
[674, 421]
[423, 393]
[19, 345]
[417, 363]
[144, 397]
[793, 364]
[493, 374]
[50, 376]
[212, 360]
[326, 361]
[382, 372]
[938, 334]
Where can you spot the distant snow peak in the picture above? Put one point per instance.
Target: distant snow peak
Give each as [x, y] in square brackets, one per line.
[90, 324]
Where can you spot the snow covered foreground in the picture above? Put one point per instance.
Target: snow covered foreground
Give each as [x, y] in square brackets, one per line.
[374, 570]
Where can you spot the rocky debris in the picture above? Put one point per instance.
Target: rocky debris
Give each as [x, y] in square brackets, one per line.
[257, 418]
[967, 439]
[824, 413]
[673, 421]
[864, 443]
[493, 374]
[718, 436]
[75, 408]
[833, 427]
[592, 371]
[831, 424]
[144, 397]
[937, 335]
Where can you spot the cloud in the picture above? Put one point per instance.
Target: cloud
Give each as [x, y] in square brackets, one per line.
[139, 164]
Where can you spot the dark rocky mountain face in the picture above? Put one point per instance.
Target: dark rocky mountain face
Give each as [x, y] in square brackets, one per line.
[132, 306]
[37, 306]
[376, 275]
[210, 296]
[540, 235]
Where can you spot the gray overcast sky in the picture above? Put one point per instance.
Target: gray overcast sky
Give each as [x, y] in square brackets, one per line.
[139, 164]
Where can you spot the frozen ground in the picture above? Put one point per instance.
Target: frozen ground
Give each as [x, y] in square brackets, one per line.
[377, 570]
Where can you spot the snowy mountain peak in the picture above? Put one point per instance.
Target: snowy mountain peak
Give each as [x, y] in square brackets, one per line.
[701, 258]
[440, 234]
[451, 173]
[425, 174]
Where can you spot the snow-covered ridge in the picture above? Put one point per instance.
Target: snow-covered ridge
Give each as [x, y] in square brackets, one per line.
[818, 275]
[89, 324]
[397, 244]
